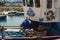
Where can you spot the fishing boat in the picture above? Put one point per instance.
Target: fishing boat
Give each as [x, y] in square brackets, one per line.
[15, 14]
[11, 13]
[45, 13]
[3, 16]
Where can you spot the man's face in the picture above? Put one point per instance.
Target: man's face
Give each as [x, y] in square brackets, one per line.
[26, 18]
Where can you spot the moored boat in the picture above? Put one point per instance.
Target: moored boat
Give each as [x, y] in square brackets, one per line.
[2, 17]
[15, 14]
[11, 14]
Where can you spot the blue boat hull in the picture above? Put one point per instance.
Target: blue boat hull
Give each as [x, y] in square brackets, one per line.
[53, 27]
[19, 14]
[3, 17]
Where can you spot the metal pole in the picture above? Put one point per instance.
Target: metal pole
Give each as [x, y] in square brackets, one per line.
[3, 33]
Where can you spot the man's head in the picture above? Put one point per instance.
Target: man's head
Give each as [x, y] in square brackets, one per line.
[27, 18]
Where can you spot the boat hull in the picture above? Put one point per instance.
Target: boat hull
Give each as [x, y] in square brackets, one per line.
[3, 17]
[19, 14]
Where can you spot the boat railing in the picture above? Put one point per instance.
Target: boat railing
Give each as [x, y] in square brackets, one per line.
[17, 27]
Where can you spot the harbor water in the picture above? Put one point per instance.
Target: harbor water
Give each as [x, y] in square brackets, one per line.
[12, 20]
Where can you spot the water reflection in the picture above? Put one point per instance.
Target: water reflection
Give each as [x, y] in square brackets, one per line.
[12, 21]
[3, 20]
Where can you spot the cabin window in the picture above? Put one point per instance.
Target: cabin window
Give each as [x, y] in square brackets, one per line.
[37, 3]
[29, 3]
[49, 4]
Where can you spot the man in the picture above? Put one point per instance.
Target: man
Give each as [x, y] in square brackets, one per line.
[26, 23]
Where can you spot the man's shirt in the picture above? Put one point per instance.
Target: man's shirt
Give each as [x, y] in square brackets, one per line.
[25, 24]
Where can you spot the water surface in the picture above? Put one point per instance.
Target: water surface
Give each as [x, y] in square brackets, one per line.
[12, 21]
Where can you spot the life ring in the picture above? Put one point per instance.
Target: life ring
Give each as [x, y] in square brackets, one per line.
[50, 15]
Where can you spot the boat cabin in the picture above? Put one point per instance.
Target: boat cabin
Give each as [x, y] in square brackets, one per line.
[42, 10]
